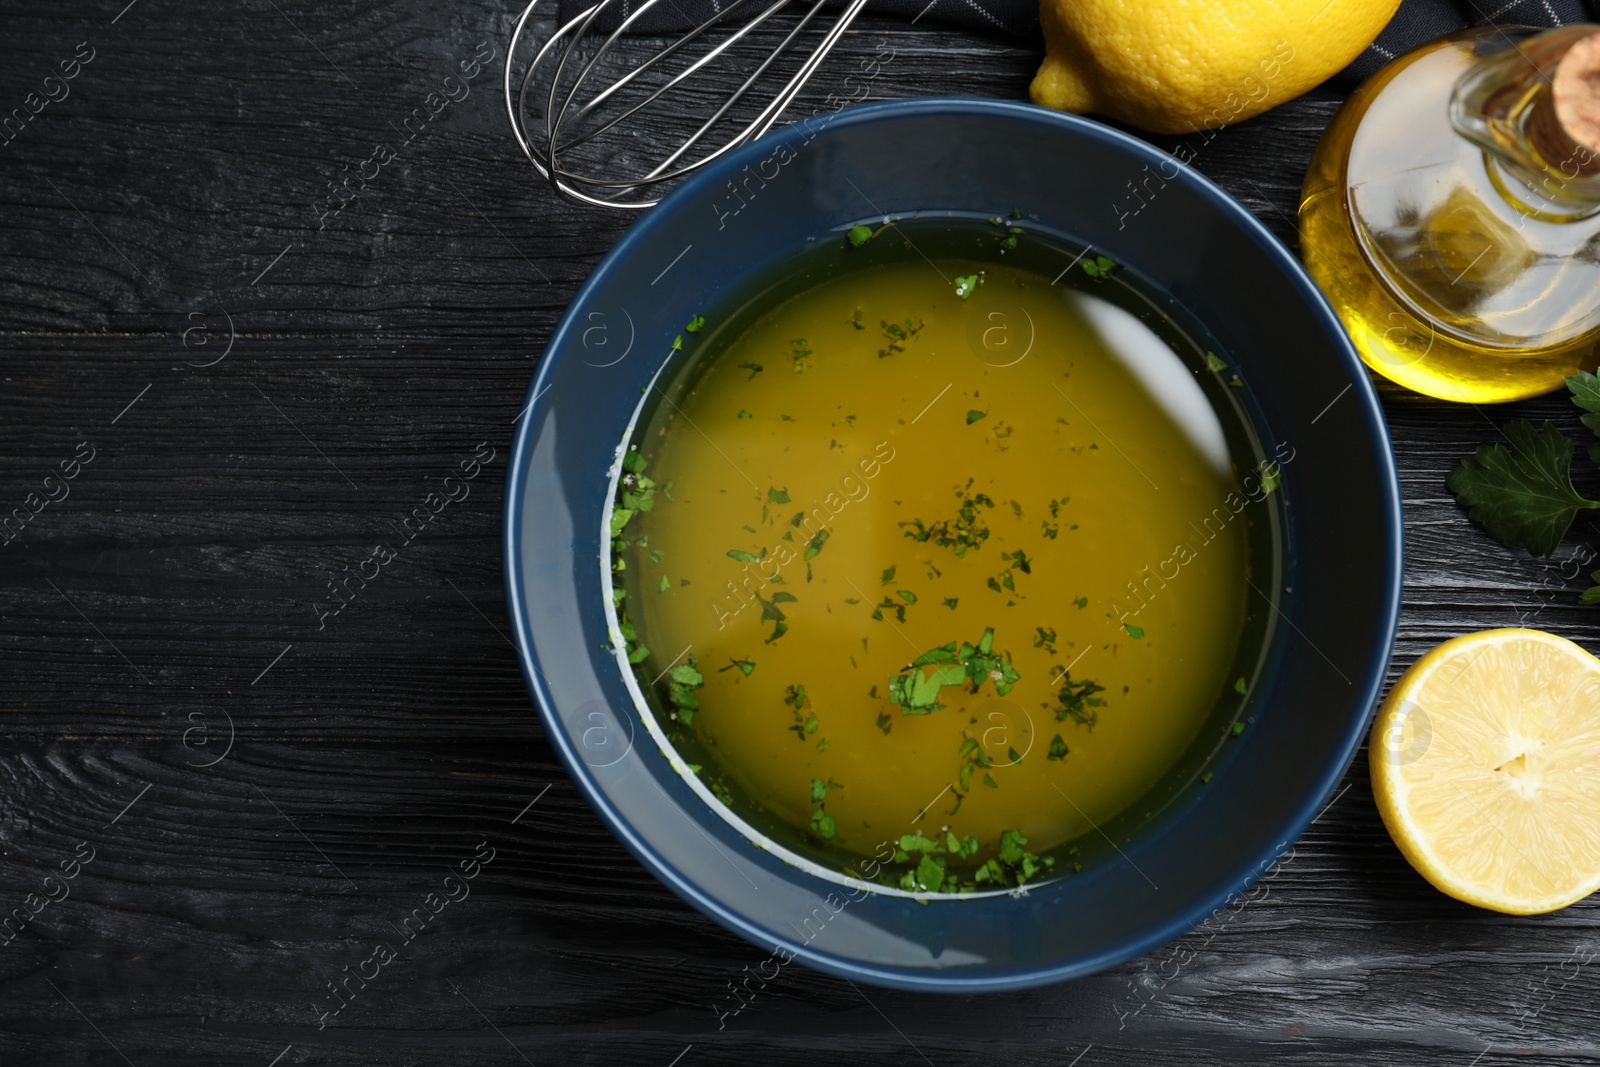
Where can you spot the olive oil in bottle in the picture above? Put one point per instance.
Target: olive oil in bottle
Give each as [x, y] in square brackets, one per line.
[1451, 214]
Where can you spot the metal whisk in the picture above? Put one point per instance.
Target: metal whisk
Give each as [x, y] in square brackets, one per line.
[570, 111]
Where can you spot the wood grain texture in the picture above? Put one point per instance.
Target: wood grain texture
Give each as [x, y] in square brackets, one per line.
[266, 800]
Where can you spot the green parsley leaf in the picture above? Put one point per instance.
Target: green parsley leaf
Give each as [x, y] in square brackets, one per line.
[745, 415]
[859, 235]
[1239, 686]
[966, 284]
[974, 415]
[888, 575]
[744, 665]
[696, 324]
[823, 824]
[665, 585]
[907, 595]
[1100, 267]
[1134, 632]
[951, 602]
[819, 790]
[1238, 728]
[1585, 389]
[686, 674]
[741, 555]
[814, 546]
[778, 496]
[1058, 749]
[930, 875]
[1078, 701]
[682, 681]
[1271, 477]
[1214, 362]
[1522, 496]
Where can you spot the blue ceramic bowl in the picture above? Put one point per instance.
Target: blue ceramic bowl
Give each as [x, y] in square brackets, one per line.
[1336, 596]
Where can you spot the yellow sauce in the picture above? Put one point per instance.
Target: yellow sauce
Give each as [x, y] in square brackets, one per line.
[1039, 404]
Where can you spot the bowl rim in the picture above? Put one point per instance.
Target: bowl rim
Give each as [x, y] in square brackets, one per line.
[1327, 772]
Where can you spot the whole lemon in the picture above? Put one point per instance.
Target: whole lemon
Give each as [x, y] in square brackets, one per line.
[1174, 66]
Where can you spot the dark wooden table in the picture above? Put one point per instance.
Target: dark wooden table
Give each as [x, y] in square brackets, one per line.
[268, 790]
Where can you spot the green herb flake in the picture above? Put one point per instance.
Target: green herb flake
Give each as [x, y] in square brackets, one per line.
[966, 284]
[814, 546]
[665, 585]
[745, 666]
[823, 824]
[1079, 700]
[974, 415]
[907, 595]
[1135, 632]
[951, 602]
[858, 235]
[1215, 362]
[778, 496]
[1239, 686]
[888, 575]
[741, 555]
[1058, 749]
[682, 681]
[696, 324]
[1100, 267]
[1238, 728]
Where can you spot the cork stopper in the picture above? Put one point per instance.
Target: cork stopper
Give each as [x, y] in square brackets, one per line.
[1564, 125]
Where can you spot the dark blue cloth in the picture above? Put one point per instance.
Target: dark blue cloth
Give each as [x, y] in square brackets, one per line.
[1416, 22]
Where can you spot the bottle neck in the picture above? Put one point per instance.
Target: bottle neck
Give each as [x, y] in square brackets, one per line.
[1534, 107]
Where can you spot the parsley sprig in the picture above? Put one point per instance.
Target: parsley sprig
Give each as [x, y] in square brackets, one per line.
[1523, 495]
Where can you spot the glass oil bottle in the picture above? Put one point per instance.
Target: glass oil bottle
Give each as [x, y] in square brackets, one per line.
[1451, 214]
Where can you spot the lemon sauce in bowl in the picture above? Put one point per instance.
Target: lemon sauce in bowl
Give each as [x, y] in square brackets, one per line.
[919, 554]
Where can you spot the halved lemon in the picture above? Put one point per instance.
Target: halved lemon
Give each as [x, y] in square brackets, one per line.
[1486, 768]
